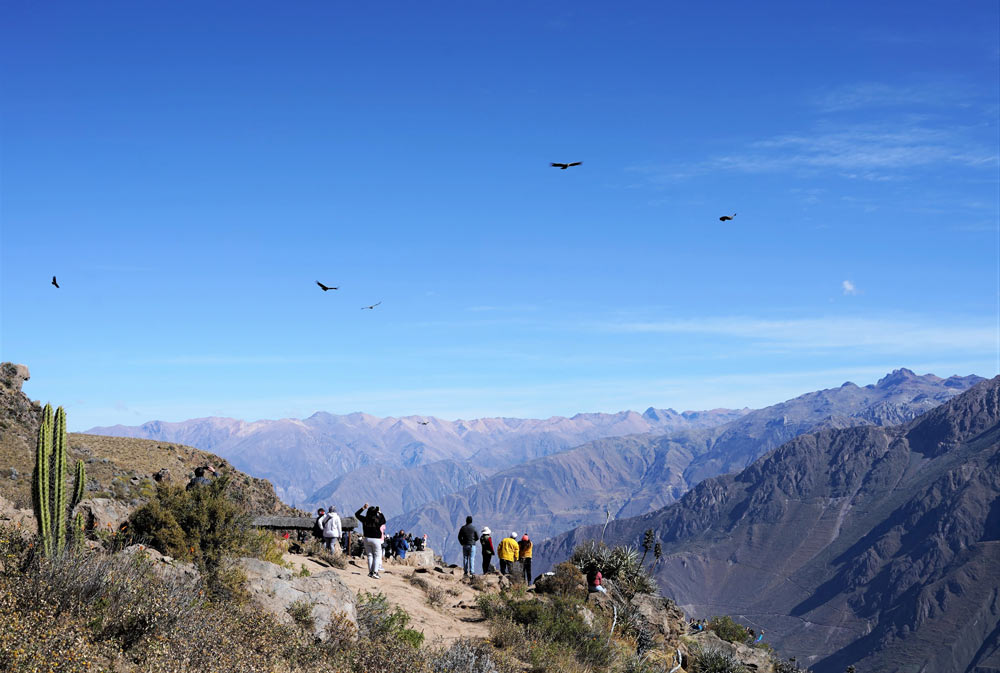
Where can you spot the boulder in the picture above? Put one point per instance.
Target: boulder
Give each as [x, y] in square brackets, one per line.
[166, 567]
[19, 518]
[420, 559]
[102, 513]
[755, 659]
[274, 589]
[662, 614]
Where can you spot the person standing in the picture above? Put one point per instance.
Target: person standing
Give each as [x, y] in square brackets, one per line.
[486, 540]
[371, 525]
[401, 545]
[331, 528]
[508, 552]
[468, 537]
[318, 524]
[524, 552]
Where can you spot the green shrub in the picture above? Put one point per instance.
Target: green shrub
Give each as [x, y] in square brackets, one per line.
[567, 580]
[466, 656]
[301, 612]
[378, 621]
[714, 661]
[620, 564]
[728, 629]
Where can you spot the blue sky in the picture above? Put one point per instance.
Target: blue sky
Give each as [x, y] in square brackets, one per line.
[188, 170]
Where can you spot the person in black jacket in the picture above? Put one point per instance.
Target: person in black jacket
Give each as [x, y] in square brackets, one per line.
[467, 537]
[372, 525]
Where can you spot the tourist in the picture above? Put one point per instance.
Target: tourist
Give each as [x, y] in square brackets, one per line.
[467, 537]
[508, 552]
[199, 478]
[331, 528]
[486, 540]
[401, 545]
[524, 552]
[594, 578]
[372, 523]
[318, 523]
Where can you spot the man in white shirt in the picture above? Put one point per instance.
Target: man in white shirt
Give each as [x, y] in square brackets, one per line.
[331, 529]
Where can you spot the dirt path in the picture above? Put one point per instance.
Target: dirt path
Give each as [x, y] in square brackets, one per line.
[457, 615]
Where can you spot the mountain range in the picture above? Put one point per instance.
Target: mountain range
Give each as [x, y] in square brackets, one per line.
[627, 476]
[871, 546]
[311, 460]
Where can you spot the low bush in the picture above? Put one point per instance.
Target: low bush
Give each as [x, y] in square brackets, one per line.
[714, 661]
[566, 580]
[728, 629]
[380, 622]
[467, 656]
[301, 612]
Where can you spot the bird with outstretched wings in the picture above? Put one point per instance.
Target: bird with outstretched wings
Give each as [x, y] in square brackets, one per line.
[565, 166]
[54, 282]
[726, 218]
[326, 287]
[370, 307]
[423, 422]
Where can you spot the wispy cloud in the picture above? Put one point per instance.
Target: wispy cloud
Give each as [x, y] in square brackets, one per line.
[812, 334]
[880, 95]
[849, 287]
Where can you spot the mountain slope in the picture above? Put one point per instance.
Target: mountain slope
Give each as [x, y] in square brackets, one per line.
[871, 546]
[633, 475]
[301, 456]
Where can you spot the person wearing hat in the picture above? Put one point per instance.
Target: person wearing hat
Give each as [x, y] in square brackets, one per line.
[486, 540]
[524, 551]
[508, 552]
[331, 528]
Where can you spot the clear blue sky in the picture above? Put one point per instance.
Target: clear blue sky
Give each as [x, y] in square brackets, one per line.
[188, 170]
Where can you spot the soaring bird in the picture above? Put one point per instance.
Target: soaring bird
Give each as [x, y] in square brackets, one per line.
[372, 306]
[423, 422]
[326, 287]
[565, 166]
[54, 281]
[726, 218]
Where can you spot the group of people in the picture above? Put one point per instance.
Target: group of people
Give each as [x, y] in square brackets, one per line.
[508, 551]
[374, 543]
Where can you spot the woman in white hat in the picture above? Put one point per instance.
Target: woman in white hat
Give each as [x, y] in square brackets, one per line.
[486, 540]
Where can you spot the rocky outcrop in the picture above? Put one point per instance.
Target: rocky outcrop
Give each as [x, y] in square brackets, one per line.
[275, 589]
[167, 568]
[754, 659]
[869, 546]
[102, 513]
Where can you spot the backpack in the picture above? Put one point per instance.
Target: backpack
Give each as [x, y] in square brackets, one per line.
[318, 527]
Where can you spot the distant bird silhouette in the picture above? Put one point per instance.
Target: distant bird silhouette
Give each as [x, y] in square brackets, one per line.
[368, 307]
[54, 281]
[726, 218]
[326, 287]
[565, 166]
[423, 422]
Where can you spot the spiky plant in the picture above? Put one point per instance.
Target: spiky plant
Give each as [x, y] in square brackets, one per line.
[78, 487]
[49, 481]
[648, 540]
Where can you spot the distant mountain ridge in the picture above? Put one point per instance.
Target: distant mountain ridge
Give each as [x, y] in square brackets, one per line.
[872, 546]
[636, 474]
[301, 457]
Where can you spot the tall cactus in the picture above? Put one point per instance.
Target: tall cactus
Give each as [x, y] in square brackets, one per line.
[40, 487]
[49, 487]
[59, 511]
[81, 481]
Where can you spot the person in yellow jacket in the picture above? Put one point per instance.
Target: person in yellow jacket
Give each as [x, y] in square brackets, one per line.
[508, 552]
[524, 549]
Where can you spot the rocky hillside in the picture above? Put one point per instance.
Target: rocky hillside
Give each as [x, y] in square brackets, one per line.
[120, 468]
[302, 457]
[634, 475]
[870, 546]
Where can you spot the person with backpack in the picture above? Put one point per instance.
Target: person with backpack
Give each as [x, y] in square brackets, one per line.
[486, 540]
[508, 551]
[331, 528]
[372, 524]
[524, 552]
[317, 525]
[468, 537]
[401, 545]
